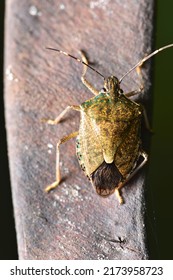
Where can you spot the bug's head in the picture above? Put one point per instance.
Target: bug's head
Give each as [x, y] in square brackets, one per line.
[112, 86]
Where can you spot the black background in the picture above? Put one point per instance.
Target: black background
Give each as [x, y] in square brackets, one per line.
[8, 247]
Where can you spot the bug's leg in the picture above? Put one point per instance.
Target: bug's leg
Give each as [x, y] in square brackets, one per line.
[58, 119]
[121, 184]
[147, 123]
[58, 176]
[134, 92]
[84, 81]
[118, 195]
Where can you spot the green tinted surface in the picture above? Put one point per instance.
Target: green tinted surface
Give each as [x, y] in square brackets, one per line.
[160, 180]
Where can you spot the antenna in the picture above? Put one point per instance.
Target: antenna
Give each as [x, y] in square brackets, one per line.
[79, 60]
[146, 58]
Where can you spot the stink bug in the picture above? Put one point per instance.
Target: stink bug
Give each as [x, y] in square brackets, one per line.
[108, 143]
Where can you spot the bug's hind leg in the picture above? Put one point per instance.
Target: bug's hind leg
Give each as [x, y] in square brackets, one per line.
[121, 184]
[83, 79]
[118, 195]
[58, 175]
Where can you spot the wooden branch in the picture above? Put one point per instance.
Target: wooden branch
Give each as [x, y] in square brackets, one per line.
[71, 222]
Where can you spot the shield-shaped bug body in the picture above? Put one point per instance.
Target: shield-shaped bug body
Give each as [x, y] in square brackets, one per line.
[108, 143]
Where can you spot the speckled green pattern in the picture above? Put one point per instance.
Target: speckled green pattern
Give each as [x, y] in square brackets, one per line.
[109, 131]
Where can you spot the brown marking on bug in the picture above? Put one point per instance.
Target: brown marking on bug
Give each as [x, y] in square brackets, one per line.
[105, 178]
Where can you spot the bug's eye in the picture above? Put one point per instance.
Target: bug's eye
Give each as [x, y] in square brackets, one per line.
[103, 89]
[121, 91]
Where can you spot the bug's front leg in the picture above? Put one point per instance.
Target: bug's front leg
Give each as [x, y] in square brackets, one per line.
[58, 119]
[135, 92]
[121, 184]
[83, 79]
[58, 175]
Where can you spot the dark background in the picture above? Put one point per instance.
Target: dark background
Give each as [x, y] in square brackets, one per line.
[160, 175]
[8, 248]
[159, 214]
